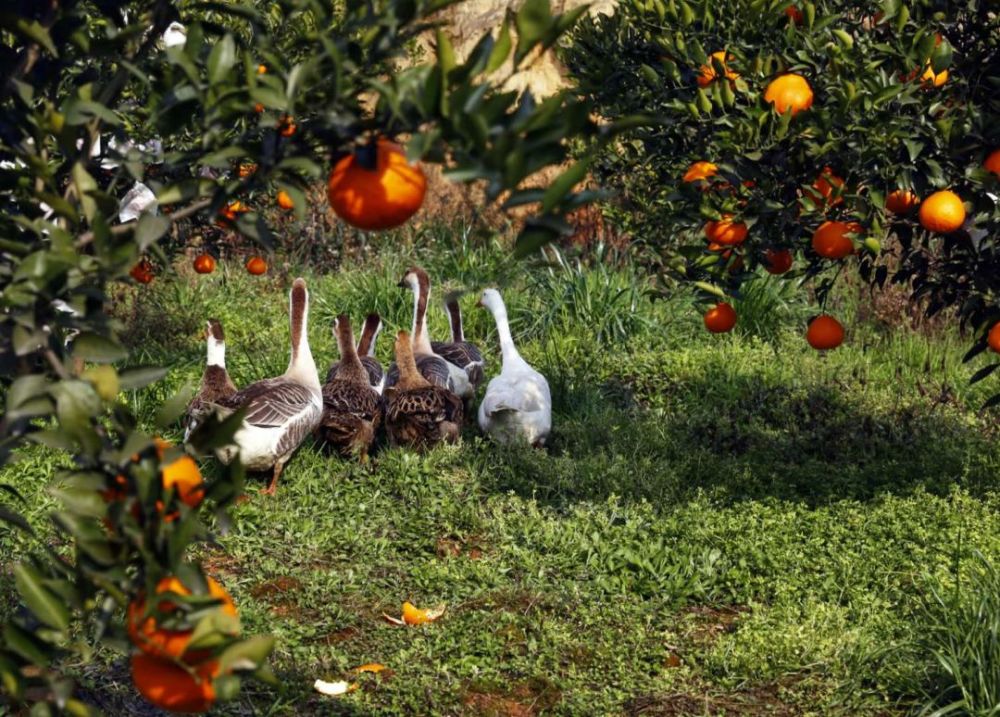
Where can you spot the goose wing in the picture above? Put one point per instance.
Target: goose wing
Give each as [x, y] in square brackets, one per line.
[346, 397]
[271, 402]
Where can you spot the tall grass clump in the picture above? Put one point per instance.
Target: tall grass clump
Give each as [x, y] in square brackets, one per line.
[606, 297]
[766, 307]
[963, 635]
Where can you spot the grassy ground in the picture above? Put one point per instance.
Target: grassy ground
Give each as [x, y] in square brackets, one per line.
[721, 525]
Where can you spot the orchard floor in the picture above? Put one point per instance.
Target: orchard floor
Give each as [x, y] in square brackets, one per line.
[722, 525]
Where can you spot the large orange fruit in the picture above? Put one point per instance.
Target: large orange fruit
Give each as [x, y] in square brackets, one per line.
[720, 318]
[901, 201]
[700, 171]
[204, 263]
[993, 339]
[171, 687]
[376, 188]
[825, 333]
[942, 212]
[829, 185]
[777, 261]
[707, 74]
[147, 635]
[830, 239]
[256, 265]
[726, 231]
[992, 163]
[789, 92]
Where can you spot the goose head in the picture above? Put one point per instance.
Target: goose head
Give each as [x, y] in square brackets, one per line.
[415, 279]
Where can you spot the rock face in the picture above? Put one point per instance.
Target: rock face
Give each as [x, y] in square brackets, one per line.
[471, 19]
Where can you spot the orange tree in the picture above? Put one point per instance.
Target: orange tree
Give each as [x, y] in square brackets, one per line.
[184, 98]
[801, 138]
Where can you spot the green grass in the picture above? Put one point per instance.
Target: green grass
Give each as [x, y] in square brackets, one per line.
[721, 525]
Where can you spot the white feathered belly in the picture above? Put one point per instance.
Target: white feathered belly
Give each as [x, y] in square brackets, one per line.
[516, 426]
[257, 445]
[461, 385]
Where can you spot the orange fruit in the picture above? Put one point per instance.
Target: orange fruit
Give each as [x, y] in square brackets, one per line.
[726, 231]
[286, 127]
[825, 333]
[929, 79]
[992, 163]
[247, 170]
[720, 318]
[261, 69]
[204, 263]
[830, 239]
[256, 265]
[706, 73]
[777, 261]
[230, 211]
[942, 212]
[795, 14]
[901, 201]
[993, 339]
[700, 171]
[789, 92]
[829, 185]
[285, 200]
[376, 188]
[142, 272]
[146, 633]
[171, 687]
[182, 475]
[258, 107]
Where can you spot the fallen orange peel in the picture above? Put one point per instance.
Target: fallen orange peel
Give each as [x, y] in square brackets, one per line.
[334, 689]
[373, 667]
[413, 615]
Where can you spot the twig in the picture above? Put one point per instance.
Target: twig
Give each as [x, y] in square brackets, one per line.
[174, 217]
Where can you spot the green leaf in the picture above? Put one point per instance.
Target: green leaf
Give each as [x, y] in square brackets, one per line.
[28, 29]
[501, 50]
[16, 519]
[99, 349]
[25, 644]
[84, 185]
[149, 229]
[533, 21]
[174, 407]
[140, 377]
[564, 184]
[247, 655]
[221, 59]
[48, 608]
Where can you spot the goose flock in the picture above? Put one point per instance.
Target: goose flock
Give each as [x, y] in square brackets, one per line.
[423, 398]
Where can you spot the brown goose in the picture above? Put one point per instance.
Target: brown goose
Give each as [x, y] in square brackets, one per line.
[281, 411]
[352, 408]
[215, 381]
[458, 351]
[366, 352]
[432, 367]
[418, 413]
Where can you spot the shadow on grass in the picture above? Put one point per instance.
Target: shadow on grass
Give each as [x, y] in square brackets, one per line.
[745, 439]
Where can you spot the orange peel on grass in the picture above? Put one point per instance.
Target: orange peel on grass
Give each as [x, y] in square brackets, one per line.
[413, 615]
[343, 687]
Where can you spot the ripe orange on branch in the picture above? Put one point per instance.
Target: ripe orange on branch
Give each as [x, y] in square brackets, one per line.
[933, 79]
[720, 318]
[173, 688]
[204, 263]
[825, 333]
[829, 186]
[707, 74]
[993, 338]
[725, 231]
[375, 187]
[830, 239]
[285, 200]
[256, 265]
[142, 272]
[942, 212]
[778, 261]
[183, 476]
[901, 201]
[992, 163]
[152, 639]
[789, 92]
[700, 171]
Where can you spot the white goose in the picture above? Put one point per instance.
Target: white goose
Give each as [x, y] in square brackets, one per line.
[282, 411]
[517, 407]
